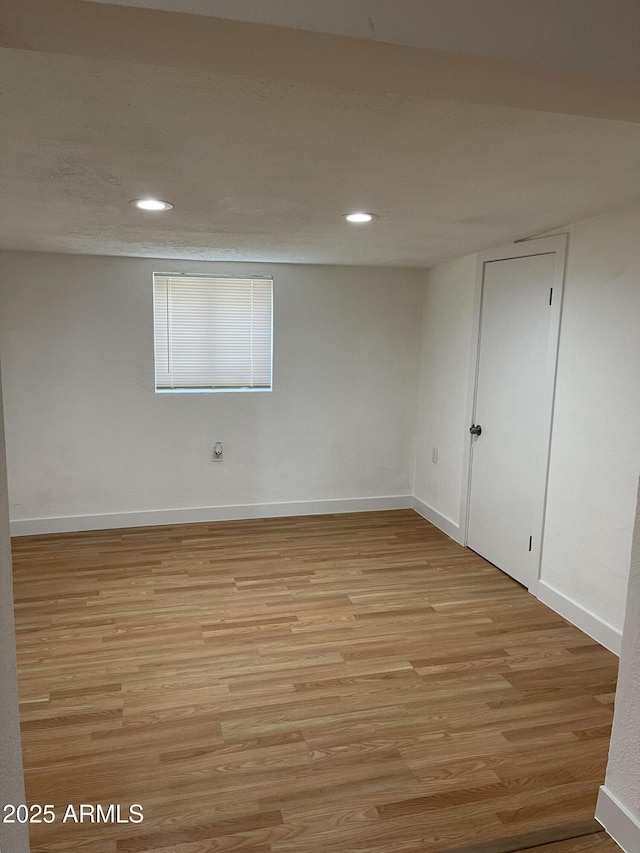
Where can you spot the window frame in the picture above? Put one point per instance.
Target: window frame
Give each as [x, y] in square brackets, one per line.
[214, 389]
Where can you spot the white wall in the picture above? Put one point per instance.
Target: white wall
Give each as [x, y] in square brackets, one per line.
[595, 453]
[13, 837]
[442, 393]
[86, 434]
[619, 801]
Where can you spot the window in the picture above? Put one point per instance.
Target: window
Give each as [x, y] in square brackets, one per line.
[212, 333]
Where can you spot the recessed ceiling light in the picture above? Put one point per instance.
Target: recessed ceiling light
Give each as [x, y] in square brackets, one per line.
[358, 217]
[150, 204]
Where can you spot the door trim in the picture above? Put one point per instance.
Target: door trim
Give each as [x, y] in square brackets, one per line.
[541, 246]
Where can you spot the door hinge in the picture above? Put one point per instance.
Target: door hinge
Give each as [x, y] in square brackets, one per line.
[530, 542]
[550, 295]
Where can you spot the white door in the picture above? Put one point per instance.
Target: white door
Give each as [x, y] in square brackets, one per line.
[518, 335]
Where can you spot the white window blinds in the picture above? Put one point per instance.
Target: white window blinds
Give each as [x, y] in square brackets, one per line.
[212, 332]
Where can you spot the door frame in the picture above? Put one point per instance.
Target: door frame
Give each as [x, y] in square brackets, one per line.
[556, 244]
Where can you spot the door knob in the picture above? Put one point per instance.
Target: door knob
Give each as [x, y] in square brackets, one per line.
[475, 429]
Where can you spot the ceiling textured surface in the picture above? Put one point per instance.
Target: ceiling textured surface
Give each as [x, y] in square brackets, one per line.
[581, 35]
[261, 168]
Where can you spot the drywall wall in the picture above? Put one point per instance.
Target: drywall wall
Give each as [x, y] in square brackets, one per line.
[443, 384]
[595, 453]
[87, 434]
[13, 837]
[619, 803]
[586, 35]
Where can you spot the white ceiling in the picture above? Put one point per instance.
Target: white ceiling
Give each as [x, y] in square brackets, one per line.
[596, 36]
[261, 155]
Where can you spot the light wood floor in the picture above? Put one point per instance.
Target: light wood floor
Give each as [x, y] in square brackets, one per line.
[353, 683]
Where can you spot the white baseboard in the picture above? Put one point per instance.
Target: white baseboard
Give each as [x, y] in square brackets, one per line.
[593, 625]
[436, 518]
[621, 825]
[150, 518]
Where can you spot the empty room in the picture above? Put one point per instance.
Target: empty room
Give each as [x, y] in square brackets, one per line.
[319, 446]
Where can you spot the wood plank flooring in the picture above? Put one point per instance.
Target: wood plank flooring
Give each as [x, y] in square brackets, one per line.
[353, 683]
[597, 843]
[580, 836]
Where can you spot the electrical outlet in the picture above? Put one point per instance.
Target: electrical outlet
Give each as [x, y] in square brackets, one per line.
[216, 455]
[434, 455]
